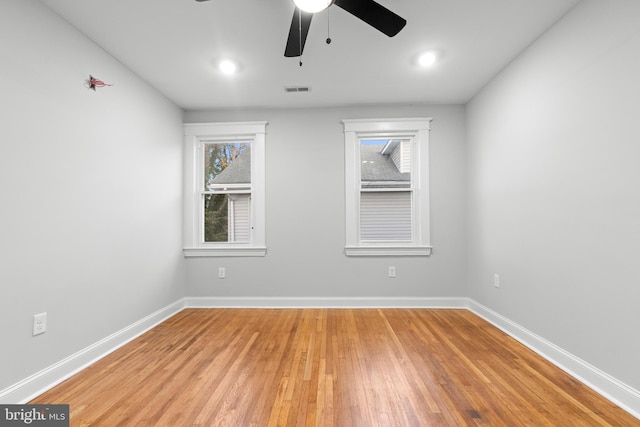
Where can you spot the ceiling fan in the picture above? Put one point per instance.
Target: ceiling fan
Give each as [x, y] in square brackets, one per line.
[369, 11]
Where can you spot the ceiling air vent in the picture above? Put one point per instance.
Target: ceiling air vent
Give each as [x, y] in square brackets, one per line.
[294, 89]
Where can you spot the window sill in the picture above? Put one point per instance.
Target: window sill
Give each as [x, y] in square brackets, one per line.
[387, 250]
[225, 252]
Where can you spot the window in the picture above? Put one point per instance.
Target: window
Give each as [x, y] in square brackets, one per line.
[224, 189]
[387, 187]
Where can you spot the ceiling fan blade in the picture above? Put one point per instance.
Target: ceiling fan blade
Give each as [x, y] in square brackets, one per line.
[374, 14]
[299, 27]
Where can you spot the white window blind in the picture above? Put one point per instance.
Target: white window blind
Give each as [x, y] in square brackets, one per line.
[239, 218]
[385, 216]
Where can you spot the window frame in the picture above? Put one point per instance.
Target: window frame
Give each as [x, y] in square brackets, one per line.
[195, 136]
[416, 129]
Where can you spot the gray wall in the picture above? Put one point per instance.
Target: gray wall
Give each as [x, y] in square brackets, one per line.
[91, 193]
[305, 213]
[554, 188]
[536, 179]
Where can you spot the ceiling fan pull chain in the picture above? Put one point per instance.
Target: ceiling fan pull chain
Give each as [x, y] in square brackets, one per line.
[328, 26]
[300, 34]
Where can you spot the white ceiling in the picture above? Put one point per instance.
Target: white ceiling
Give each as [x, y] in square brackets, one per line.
[174, 44]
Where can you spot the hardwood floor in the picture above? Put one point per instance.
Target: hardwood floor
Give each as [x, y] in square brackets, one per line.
[329, 367]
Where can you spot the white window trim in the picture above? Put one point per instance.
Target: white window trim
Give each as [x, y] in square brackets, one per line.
[195, 134]
[418, 130]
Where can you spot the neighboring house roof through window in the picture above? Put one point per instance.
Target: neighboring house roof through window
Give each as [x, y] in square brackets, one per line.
[378, 166]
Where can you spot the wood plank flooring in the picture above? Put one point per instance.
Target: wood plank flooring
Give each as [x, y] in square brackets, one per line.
[329, 367]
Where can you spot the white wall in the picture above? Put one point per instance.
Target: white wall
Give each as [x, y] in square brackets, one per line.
[305, 213]
[91, 193]
[554, 188]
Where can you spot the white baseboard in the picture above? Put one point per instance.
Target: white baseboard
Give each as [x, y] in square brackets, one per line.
[38, 383]
[616, 391]
[325, 302]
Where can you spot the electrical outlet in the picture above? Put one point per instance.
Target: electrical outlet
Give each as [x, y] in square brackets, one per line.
[39, 324]
[222, 273]
[392, 271]
[496, 280]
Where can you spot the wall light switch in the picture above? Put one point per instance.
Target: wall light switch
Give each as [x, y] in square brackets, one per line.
[392, 271]
[222, 273]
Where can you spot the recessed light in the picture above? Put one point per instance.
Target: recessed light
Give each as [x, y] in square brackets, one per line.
[427, 59]
[227, 66]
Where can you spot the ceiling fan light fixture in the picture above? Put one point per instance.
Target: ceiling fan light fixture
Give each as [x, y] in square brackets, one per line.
[313, 6]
